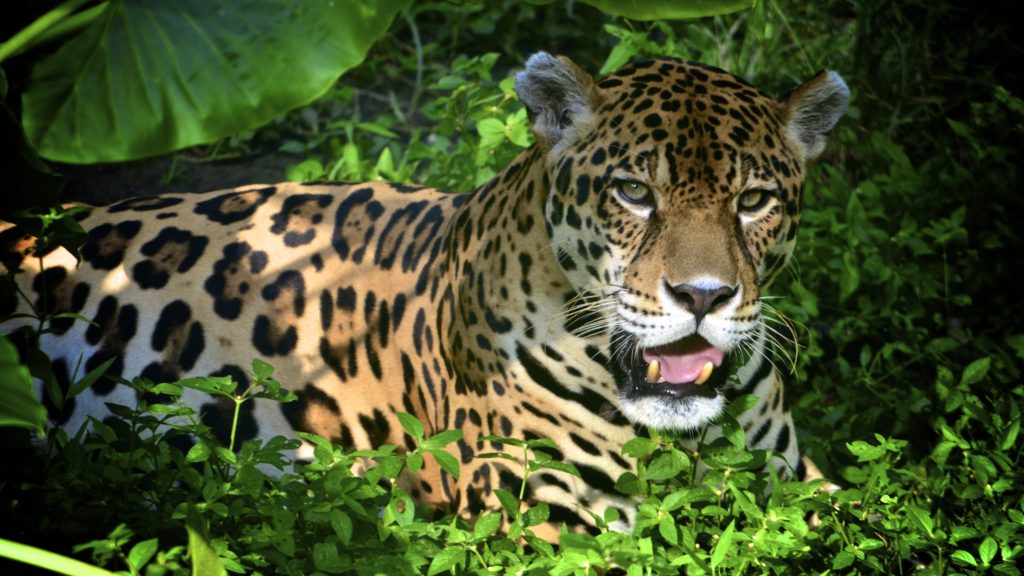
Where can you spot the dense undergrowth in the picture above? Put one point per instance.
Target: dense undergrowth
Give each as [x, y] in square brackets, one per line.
[906, 388]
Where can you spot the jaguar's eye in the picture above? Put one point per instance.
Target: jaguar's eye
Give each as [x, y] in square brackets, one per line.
[754, 200]
[634, 192]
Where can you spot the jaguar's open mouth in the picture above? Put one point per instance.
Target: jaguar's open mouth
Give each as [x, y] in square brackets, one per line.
[687, 367]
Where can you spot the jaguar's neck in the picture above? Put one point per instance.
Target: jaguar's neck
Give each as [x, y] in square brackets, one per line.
[507, 287]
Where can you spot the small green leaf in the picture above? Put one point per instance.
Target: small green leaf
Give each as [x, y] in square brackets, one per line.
[724, 545]
[446, 461]
[668, 531]
[987, 550]
[556, 465]
[844, 559]
[1010, 436]
[865, 452]
[216, 385]
[975, 371]
[199, 452]
[415, 462]
[870, 544]
[341, 523]
[537, 514]
[142, 553]
[486, 525]
[442, 439]
[668, 465]
[639, 447]
[508, 501]
[922, 518]
[412, 425]
[262, 369]
[446, 559]
[964, 557]
[88, 380]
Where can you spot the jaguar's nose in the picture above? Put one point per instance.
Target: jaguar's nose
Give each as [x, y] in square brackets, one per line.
[700, 300]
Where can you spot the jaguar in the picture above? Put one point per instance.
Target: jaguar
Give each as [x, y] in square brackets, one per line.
[608, 281]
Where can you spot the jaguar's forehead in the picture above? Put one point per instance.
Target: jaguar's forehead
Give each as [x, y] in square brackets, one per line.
[669, 86]
[693, 126]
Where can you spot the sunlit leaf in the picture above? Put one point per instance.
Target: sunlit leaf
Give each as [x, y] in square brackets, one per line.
[146, 78]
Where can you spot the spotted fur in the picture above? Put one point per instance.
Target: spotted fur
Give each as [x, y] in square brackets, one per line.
[648, 218]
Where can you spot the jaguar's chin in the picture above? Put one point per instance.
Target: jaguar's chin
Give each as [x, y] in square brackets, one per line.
[676, 386]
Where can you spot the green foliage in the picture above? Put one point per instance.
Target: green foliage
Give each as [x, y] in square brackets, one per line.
[666, 9]
[18, 403]
[147, 79]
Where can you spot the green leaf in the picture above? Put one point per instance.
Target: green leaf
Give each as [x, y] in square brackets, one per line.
[964, 557]
[870, 544]
[537, 514]
[147, 78]
[88, 380]
[639, 447]
[445, 560]
[262, 369]
[723, 546]
[508, 501]
[975, 371]
[487, 524]
[668, 9]
[309, 170]
[864, 451]
[668, 465]
[199, 452]
[412, 425]
[19, 405]
[142, 553]
[205, 561]
[556, 465]
[326, 559]
[415, 462]
[988, 550]
[216, 385]
[342, 525]
[492, 132]
[843, 559]
[668, 531]
[1010, 436]
[442, 439]
[447, 462]
[921, 517]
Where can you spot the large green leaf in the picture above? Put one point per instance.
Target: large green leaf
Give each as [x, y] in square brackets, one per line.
[146, 78]
[18, 403]
[664, 9]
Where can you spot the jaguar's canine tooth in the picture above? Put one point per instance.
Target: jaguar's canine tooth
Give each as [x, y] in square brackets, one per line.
[705, 373]
[653, 372]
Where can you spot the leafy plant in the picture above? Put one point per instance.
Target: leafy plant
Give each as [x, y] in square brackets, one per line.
[186, 74]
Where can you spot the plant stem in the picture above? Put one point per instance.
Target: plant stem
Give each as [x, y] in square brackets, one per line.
[29, 34]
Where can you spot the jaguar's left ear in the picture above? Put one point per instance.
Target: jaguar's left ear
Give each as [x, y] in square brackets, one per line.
[559, 97]
[812, 110]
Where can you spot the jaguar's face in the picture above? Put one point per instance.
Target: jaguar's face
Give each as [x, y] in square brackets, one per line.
[674, 200]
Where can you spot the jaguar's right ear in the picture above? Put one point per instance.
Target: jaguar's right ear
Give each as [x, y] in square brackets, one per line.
[559, 97]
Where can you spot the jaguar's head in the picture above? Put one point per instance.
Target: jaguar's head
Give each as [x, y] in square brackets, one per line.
[674, 195]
